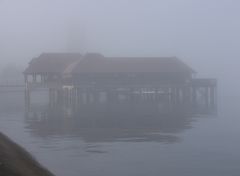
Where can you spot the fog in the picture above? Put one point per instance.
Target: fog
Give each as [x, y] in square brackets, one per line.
[123, 128]
[205, 34]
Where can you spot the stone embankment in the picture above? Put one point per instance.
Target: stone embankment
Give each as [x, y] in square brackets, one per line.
[15, 161]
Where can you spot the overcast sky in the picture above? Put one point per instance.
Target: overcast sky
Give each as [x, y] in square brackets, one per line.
[204, 33]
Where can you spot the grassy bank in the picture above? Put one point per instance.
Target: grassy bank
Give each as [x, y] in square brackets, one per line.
[15, 161]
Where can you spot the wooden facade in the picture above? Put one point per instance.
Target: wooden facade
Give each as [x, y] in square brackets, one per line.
[76, 80]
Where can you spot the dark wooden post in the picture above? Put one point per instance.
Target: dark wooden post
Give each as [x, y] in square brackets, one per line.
[60, 96]
[207, 97]
[194, 96]
[34, 78]
[186, 96]
[177, 96]
[212, 97]
[173, 96]
[27, 93]
[27, 98]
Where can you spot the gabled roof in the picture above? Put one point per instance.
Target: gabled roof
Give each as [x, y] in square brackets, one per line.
[52, 62]
[101, 64]
[75, 63]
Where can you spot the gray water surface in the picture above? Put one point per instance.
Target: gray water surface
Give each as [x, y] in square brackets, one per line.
[132, 144]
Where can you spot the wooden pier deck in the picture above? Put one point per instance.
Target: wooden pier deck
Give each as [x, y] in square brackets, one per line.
[192, 95]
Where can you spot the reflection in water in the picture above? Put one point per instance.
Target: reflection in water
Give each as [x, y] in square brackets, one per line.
[117, 138]
[93, 123]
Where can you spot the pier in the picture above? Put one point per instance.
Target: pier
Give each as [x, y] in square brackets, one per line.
[76, 81]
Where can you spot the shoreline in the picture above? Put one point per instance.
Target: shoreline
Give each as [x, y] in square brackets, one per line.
[16, 161]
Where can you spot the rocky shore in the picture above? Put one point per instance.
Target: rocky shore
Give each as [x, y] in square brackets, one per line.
[15, 161]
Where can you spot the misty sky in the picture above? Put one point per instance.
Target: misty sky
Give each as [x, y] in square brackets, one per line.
[204, 33]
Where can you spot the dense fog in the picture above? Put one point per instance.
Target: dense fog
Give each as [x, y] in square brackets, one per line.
[205, 34]
[126, 105]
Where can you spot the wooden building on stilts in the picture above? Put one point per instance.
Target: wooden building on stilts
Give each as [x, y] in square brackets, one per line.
[79, 80]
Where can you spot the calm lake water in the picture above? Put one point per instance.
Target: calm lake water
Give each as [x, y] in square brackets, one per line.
[138, 142]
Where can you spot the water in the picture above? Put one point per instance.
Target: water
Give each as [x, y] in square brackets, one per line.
[113, 143]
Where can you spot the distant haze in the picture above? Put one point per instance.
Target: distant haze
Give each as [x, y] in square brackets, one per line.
[205, 33]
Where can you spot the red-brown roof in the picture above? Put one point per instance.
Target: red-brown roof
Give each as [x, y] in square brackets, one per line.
[131, 64]
[75, 63]
[52, 62]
